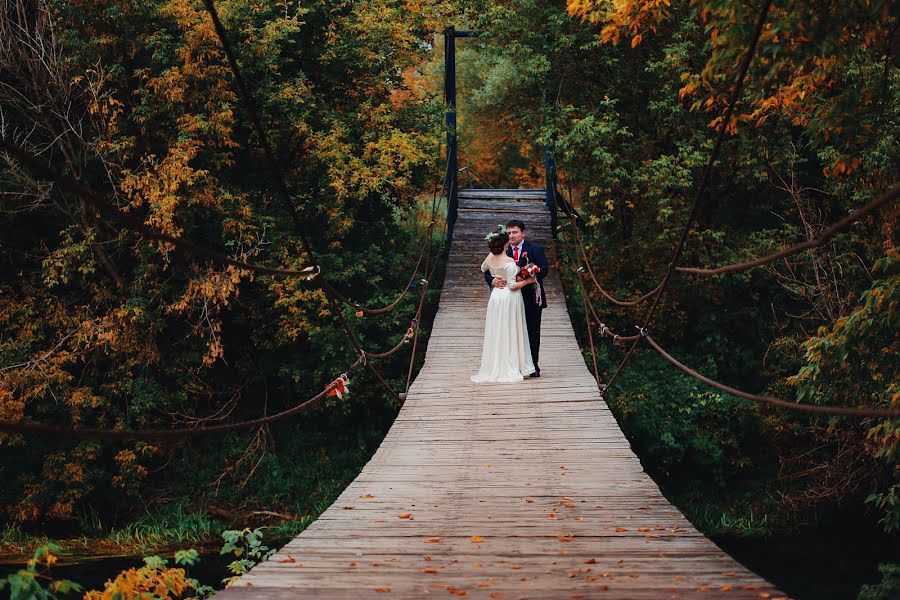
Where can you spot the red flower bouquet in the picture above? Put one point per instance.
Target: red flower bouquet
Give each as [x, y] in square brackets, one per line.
[530, 269]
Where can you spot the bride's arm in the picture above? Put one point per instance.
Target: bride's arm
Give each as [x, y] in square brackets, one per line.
[511, 273]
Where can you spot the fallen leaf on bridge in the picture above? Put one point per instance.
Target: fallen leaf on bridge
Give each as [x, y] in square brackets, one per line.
[457, 591]
[405, 515]
[476, 539]
[433, 540]
[382, 589]
[621, 529]
[289, 559]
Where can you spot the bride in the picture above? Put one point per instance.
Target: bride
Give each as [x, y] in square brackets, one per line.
[505, 354]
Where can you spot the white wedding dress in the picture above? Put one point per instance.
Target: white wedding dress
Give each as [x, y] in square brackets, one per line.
[505, 353]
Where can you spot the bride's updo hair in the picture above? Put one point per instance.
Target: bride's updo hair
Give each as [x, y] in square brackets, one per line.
[497, 240]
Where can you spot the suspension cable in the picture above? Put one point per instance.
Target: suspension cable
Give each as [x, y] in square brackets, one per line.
[811, 408]
[829, 233]
[162, 434]
[701, 188]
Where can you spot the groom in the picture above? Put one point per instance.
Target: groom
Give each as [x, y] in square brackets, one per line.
[533, 296]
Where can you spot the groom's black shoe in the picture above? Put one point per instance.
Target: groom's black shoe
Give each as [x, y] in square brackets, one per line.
[535, 374]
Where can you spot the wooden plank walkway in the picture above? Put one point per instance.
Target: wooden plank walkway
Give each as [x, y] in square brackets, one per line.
[501, 491]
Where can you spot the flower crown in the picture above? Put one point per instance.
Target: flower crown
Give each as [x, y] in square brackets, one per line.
[494, 234]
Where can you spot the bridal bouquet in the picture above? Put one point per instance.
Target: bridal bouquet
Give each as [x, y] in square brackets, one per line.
[530, 269]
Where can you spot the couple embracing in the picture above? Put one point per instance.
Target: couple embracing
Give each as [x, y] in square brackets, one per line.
[515, 271]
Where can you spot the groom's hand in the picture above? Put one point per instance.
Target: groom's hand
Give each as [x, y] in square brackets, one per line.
[499, 282]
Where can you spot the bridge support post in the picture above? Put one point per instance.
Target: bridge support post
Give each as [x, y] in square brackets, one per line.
[452, 176]
[451, 181]
[550, 181]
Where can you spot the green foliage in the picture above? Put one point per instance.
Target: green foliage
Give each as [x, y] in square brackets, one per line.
[686, 432]
[629, 95]
[887, 589]
[110, 331]
[34, 581]
[247, 546]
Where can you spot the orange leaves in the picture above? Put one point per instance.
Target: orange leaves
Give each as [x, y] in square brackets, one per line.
[433, 540]
[622, 17]
[566, 537]
[476, 539]
[405, 516]
[842, 167]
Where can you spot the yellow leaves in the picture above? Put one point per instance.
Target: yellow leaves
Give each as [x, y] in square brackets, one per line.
[476, 539]
[157, 581]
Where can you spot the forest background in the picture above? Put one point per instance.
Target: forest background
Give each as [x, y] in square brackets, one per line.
[102, 327]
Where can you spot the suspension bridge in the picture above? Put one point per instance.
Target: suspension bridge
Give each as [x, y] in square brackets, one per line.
[501, 491]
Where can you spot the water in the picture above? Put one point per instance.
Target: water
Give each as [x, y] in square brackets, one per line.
[92, 574]
[826, 562]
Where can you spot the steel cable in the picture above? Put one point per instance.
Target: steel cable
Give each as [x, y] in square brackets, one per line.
[701, 188]
[811, 408]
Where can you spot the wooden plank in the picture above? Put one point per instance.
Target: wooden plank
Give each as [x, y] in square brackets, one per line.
[538, 470]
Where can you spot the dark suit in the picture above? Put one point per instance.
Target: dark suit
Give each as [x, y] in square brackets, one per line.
[533, 253]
